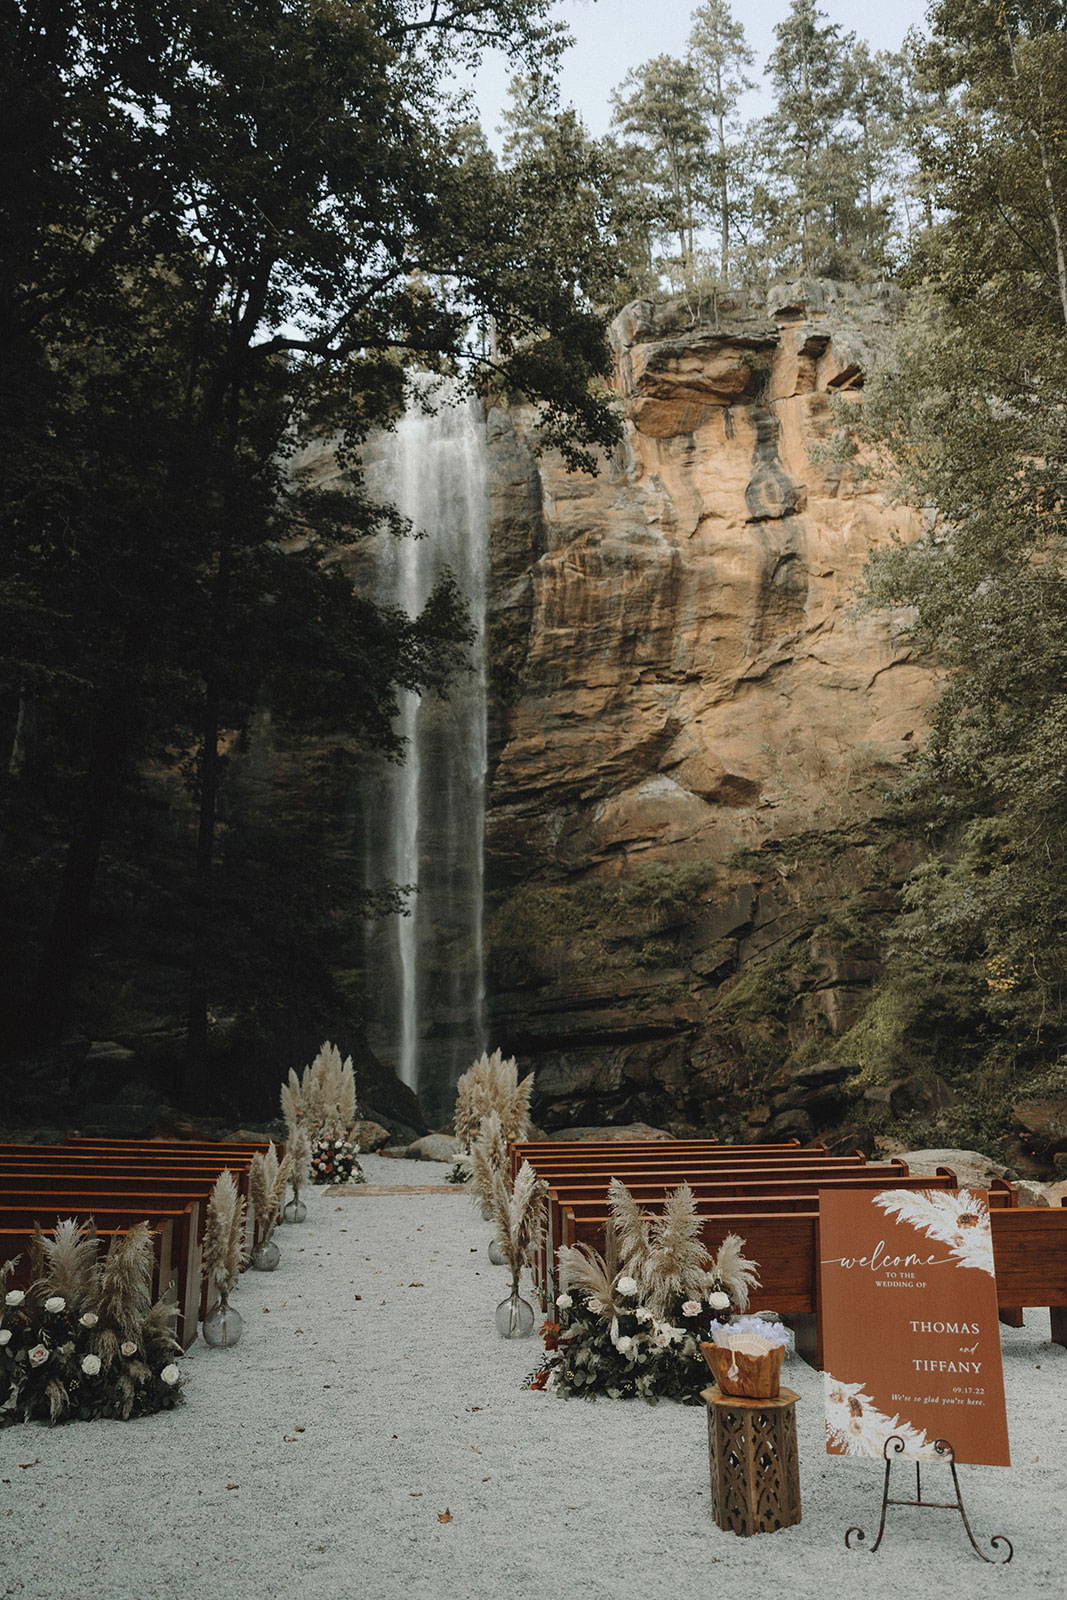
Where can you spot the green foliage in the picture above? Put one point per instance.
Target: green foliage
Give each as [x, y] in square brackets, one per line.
[965, 420]
[228, 231]
[543, 931]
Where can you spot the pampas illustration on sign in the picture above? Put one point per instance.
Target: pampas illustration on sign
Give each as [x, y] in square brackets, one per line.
[958, 1220]
[855, 1426]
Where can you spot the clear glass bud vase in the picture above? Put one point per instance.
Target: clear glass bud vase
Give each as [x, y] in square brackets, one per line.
[496, 1255]
[295, 1210]
[223, 1325]
[266, 1255]
[514, 1317]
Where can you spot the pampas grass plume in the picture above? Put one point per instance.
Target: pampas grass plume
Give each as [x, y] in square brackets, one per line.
[70, 1261]
[124, 1292]
[224, 1233]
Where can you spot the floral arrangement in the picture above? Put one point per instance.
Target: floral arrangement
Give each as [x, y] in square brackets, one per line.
[320, 1111]
[84, 1340]
[460, 1171]
[631, 1321]
[335, 1161]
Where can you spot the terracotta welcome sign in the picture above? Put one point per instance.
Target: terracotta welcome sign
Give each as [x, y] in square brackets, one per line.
[911, 1340]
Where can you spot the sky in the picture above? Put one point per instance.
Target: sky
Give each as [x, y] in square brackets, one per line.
[611, 36]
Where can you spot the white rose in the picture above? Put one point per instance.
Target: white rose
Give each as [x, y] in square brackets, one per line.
[38, 1356]
[14, 1297]
[170, 1374]
[643, 1314]
[564, 1302]
[5, 1335]
[624, 1345]
[89, 1319]
[596, 1306]
[718, 1301]
[128, 1347]
[627, 1286]
[55, 1303]
[90, 1366]
[691, 1308]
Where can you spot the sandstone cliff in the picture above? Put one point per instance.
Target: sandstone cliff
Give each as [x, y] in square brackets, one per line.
[692, 721]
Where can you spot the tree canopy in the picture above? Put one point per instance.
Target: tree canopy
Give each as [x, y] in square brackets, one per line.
[228, 229]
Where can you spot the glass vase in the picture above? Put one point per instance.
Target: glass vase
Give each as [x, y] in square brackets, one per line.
[515, 1317]
[266, 1255]
[223, 1325]
[496, 1255]
[295, 1210]
[487, 1213]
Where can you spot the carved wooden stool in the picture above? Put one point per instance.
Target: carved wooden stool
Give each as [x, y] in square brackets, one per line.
[752, 1449]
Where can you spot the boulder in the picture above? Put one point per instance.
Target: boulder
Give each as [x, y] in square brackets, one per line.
[1042, 1125]
[433, 1147]
[817, 1074]
[632, 1131]
[971, 1167]
[921, 1092]
[370, 1135]
[792, 1124]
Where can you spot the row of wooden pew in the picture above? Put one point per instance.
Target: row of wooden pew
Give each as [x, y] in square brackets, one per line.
[117, 1183]
[769, 1194]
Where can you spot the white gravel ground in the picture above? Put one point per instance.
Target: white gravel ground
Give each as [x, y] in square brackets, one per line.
[375, 1337]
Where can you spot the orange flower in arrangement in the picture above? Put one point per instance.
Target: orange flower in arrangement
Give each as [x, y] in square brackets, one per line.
[539, 1379]
[550, 1334]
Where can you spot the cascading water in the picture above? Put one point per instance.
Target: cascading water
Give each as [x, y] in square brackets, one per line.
[424, 819]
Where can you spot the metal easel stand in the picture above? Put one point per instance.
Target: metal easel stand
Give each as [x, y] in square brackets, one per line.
[895, 1446]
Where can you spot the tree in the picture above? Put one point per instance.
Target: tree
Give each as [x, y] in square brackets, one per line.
[969, 413]
[807, 146]
[718, 46]
[665, 113]
[603, 180]
[233, 228]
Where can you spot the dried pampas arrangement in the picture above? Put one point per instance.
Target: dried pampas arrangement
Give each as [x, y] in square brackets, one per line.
[518, 1212]
[85, 1340]
[631, 1321]
[489, 1157]
[491, 1085]
[224, 1235]
[322, 1101]
[298, 1150]
[267, 1178]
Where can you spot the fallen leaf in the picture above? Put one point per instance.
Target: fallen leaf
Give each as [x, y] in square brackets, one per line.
[445, 1516]
[34, 1463]
[416, 1494]
[289, 1438]
[297, 1428]
[416, 1285]
[233, 1486]
[474, 1447]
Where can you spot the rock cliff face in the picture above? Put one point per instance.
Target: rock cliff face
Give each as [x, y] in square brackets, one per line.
[691, 720]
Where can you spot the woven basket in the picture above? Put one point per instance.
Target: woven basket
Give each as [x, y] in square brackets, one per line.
[755, 1377]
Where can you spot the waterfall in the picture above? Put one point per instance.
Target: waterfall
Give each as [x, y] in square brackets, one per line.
[424, 819]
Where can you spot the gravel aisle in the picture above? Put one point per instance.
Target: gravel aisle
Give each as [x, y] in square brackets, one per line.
[375, 1338]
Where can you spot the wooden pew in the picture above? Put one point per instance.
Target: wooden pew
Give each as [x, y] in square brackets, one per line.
[16, 1239]
[100, 1172]
[738, 1179]
[185, 1203]
[1029, 1249]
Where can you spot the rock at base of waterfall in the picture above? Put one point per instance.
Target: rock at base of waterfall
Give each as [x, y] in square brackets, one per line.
[434, 1147]
[633, 1131]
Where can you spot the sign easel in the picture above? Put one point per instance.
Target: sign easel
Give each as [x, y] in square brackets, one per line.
[912, 1339]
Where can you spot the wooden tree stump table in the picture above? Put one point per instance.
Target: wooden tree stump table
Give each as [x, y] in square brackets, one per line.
[752, 1450]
